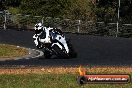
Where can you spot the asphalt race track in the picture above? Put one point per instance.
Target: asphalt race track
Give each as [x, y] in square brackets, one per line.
[92, 50]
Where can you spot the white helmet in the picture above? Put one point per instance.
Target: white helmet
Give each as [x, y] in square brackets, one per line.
[38, 28]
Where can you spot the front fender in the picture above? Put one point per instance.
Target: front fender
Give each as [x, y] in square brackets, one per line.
[57, 45]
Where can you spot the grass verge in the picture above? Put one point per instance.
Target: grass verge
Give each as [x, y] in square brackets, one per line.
[50, 81]
[53, 79]
[11, 51]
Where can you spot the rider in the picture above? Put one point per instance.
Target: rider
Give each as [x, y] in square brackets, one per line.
[45, 35]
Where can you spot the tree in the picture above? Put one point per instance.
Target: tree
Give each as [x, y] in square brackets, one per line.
[2, 4]
[106, 10]
[53, 8]
[126, 11]
[81, 9]
[73, 9]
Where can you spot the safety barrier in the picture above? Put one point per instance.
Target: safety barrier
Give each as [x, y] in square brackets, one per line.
[27, 22]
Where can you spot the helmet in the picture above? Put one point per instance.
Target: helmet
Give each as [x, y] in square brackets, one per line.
[38, 28]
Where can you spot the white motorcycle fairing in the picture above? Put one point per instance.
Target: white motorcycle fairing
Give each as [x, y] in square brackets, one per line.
[63, 41]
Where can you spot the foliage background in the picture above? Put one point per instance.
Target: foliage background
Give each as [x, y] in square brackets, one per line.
[95, 10]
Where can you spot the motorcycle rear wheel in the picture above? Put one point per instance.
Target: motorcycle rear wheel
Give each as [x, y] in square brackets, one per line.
[47, 54]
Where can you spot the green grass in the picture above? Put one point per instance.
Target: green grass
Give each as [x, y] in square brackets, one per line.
[10, 51]
[50, 81]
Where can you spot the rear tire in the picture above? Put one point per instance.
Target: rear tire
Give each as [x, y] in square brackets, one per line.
[47, 54]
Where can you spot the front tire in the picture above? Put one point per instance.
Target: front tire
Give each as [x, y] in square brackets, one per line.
[59, 53]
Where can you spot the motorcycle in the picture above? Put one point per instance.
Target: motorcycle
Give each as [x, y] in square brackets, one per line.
[58, 45]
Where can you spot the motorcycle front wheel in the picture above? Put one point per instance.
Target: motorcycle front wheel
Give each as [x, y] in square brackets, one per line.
[59, 53]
